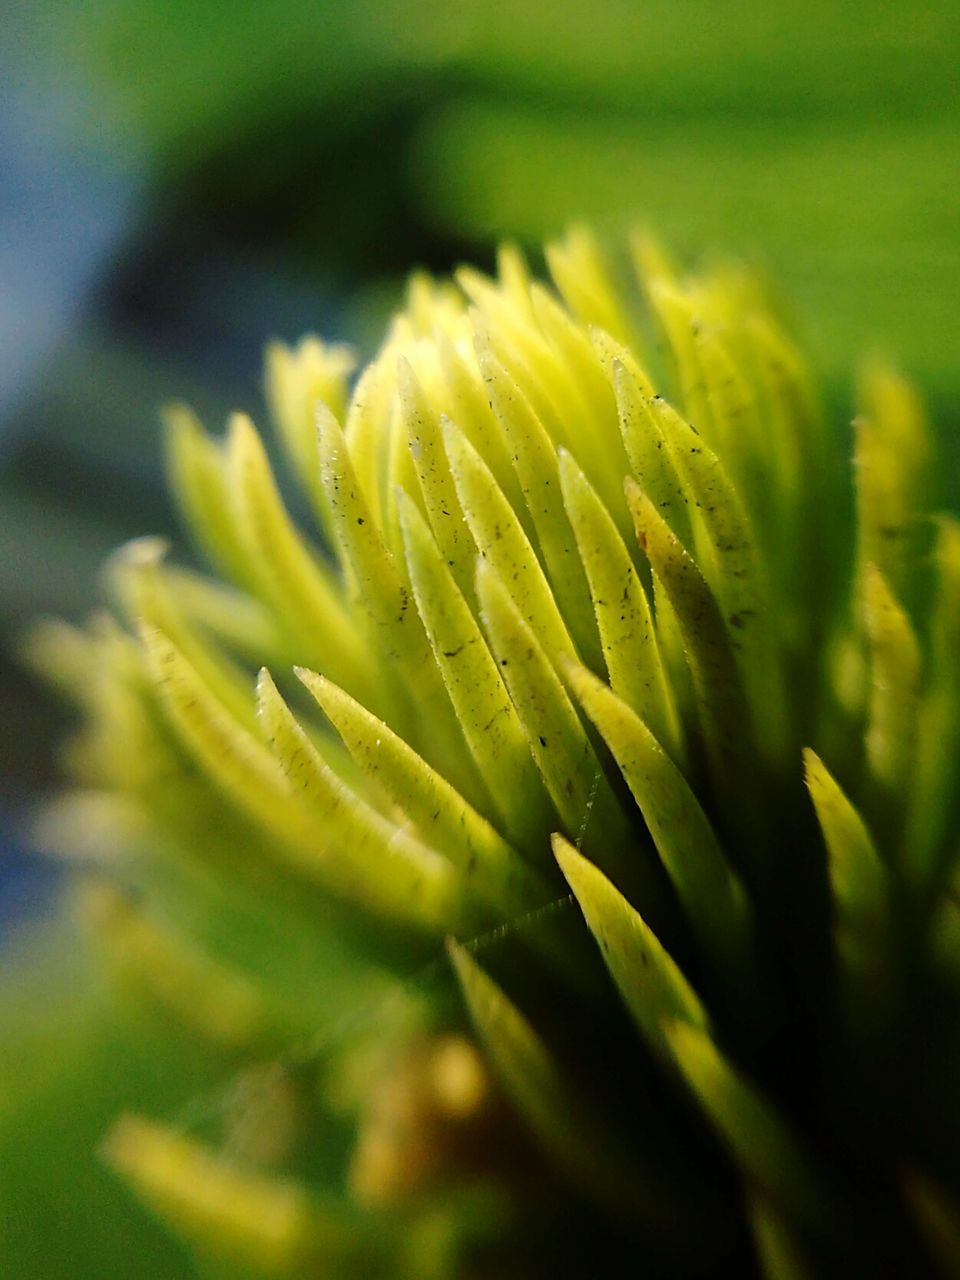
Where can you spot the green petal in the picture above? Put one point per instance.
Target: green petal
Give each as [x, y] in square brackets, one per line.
[651, 984]
[585, 280]
[198, 478]
[139, 579]
[623, 613]
[359, 855]
[485, 713]
[300, 587]
[777, 1251]
[712, 897]
[504, 545]
[934, 800]
[725, 719]
[567, 762]
[650, 459]
[242, 1216]
[858, 878]
[535, 460]
[894, 686]
[556, 1113]
[727, 555]
[378, 581]
[756, 1137]
[490, 867]
[892, 466]
[420, 424]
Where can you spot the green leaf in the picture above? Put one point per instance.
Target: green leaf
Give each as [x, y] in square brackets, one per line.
[725, 719]
[242, 1216]
[569, 766]
[559, 1116]
[508, 333]
[296, 380]
[861, 889]
[893, 454]
[728, 557]
[364, 432]
[735, 427]
[234, 761]
[650, 458]
[625, 622]
[757, 1138]
[124, 744]
[320, 828]
[598, 447]
[198, 478]
[490, 868]
[712, 896]
[944, 937]
[895, 670]
[377, 578]
[225, 1009]
[535, 460]
[777, 1250]
[372, 573]
[419, 423]
[359, 855]
[679, 321]
[652, 986]
[938, 1217]
[242, 624]
[673, 654]
[584, 278]
[464, 396]
[487, 717]
[933, 801]
[302, 589]
[138, 578]
[503, 544]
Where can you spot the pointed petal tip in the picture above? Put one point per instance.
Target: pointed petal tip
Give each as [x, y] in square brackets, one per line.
[309, 678]
[464, 966]
[148, 549]
[324, 417]
[240, 429]
[811, 763]
[569, 858]
[632, 489]
[265, 683]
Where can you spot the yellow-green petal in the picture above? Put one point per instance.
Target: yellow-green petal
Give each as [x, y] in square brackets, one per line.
[625, 623]
[711, 894]
[444, 819]
[570, 768]
[487, 717]
[651, 984]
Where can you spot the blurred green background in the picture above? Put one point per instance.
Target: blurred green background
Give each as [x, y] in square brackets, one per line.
[179, 182]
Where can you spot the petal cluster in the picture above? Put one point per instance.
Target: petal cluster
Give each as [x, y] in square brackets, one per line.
[580, 607]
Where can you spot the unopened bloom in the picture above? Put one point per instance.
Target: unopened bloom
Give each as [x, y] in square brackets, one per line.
[581, 612]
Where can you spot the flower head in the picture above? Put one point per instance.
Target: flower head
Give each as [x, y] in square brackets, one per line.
[581, 614]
